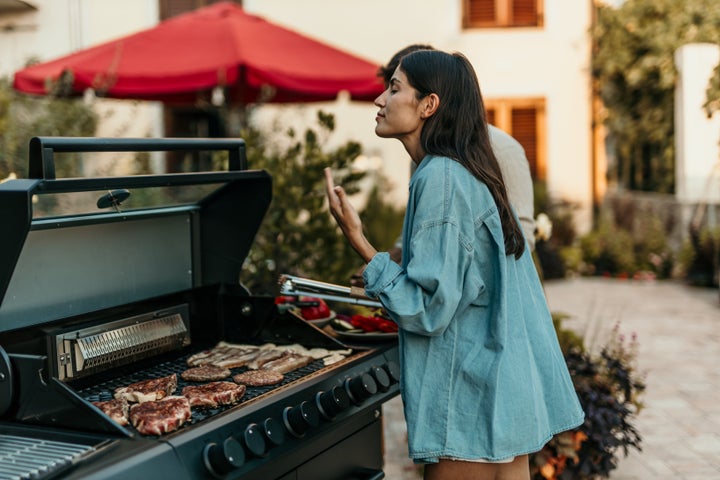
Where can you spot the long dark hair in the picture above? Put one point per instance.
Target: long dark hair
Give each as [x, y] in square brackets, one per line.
[458, 129]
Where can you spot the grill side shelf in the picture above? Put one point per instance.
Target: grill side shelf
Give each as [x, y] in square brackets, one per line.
[43, 400]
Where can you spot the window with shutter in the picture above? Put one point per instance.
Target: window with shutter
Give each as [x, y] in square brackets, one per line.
[502, 13]
[524, 119]
[170, 8]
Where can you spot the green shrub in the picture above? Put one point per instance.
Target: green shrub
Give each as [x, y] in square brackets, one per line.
[608, 249]
[298, 235]
[23, 117]
[699, 258]
[549, 251]
[630, 248]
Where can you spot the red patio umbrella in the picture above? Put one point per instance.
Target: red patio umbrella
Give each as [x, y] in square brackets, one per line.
[186, 57]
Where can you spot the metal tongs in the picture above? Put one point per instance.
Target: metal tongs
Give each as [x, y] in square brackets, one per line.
[291, 285]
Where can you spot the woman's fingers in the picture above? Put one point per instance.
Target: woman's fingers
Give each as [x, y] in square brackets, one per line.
[329, 184]
[336, 196]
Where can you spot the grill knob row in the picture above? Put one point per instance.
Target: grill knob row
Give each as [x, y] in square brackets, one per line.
[222, 458]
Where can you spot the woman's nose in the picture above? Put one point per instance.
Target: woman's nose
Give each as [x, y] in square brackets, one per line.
[380, 100]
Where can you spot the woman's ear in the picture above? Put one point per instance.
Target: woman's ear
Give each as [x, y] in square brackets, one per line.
[431, 102]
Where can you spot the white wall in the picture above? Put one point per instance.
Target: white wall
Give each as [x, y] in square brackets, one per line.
[697, 153]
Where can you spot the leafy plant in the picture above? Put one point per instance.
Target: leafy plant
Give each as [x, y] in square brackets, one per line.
[23, 117]
[627, 243]
[699, 258]
[609, 387]
[382, 220]
[551, 252]
[298, 236]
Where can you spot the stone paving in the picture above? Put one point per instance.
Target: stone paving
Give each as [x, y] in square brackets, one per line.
[678, 333]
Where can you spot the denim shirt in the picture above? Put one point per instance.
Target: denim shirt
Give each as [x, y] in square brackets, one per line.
[483, 376]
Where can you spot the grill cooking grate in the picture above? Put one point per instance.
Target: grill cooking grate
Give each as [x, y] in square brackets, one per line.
[31, 458]
[104, 391]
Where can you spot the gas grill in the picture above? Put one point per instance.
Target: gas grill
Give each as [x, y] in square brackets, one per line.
[108, 281]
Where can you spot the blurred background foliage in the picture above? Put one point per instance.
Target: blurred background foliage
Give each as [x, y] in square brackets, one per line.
[298, 235]
[634, 72]
[23, 117]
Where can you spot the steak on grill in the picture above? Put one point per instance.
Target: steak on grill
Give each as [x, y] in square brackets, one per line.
[162, 416]
[116, 409]
[259, 378]
[148, 390]
[288, 362]
[264, 357]
[225, 355]
[205, 373]
[212, 394]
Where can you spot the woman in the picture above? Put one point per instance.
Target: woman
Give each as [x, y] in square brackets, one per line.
[484, 382]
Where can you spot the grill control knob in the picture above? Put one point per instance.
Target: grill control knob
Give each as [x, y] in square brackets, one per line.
[360, 388]
[222, 458]
[393, 371]
[301, 418]
[274, 432]
[254, 440]
[332, 402]
[381, 378]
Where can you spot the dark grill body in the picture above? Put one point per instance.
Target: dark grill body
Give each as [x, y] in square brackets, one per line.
[94, 300]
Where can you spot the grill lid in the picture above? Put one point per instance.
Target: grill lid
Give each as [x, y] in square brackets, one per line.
[75, 245]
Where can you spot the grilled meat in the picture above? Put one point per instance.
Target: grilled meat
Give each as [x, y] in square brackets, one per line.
[288, 362]
[116, 409]
[224, 355]
[210, 395]
[259, 378]
[148, 390]
[162, 416]
[205, 373]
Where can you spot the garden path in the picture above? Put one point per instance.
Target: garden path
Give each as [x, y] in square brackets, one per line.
[678, 333]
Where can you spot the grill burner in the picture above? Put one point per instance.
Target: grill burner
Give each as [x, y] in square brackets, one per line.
[30, 458]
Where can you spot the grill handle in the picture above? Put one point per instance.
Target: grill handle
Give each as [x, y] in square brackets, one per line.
[42, 149]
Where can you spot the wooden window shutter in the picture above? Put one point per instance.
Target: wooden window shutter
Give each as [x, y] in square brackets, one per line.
[525, 130]
[524, 13]
[490, 115]
[502, 13]
[480, 12]
[171, 8]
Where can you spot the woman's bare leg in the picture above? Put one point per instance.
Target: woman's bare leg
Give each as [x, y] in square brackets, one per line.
[518, 469]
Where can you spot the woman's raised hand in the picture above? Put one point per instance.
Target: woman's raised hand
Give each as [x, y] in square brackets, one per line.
[347, 218]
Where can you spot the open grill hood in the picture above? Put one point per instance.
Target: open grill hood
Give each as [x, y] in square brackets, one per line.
[58, 265]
